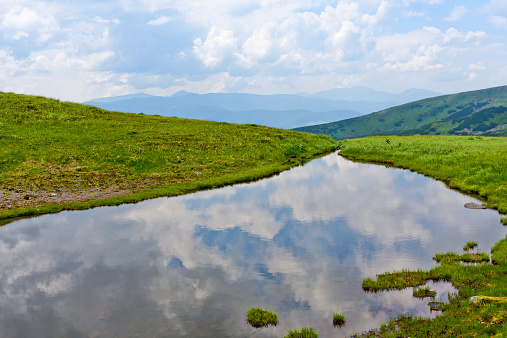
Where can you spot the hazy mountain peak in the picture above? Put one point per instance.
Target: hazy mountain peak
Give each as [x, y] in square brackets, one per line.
[361, 93]
[122, 97]
[180, 93]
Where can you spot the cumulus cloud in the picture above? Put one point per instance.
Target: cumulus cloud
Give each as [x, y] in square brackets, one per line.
[424, 49]
[219, 44]
[19, 22]
[162, 46]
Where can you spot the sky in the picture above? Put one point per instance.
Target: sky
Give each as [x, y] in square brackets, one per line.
[79, 50]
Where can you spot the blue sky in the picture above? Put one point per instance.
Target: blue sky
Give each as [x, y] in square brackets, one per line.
[79, 50]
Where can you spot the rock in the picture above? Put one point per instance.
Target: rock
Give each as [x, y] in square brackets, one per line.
[53, 195]
[105, 315]
[474, 206]
[476, 300]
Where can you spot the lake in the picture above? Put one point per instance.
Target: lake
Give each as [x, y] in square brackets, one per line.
[299, 243]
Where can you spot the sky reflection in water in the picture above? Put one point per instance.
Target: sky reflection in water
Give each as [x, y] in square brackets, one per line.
[299, 243]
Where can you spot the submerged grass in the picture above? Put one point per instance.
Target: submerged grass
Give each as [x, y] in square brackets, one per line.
[51, 149]
[476, 165]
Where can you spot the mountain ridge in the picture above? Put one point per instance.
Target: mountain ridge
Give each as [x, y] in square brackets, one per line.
[278, 110]
[478, 112]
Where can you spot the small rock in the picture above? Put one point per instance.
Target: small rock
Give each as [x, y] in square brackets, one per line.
[475, 300]
[105, 315]
[474, 206]
[53, 195]
[94, 334]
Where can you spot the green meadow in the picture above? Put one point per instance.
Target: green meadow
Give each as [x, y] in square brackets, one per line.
[476, 165]
[53, 148]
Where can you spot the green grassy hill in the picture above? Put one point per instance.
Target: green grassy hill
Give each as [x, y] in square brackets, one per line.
[481, 112]
[59, 155]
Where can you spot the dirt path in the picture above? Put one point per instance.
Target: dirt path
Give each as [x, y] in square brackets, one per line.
[21, 199]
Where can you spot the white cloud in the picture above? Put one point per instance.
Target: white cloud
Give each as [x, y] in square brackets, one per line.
[254, 46]
[410, 14]
[258, 46]
[424, 49]
[498, 21]
[161, 20]
[457, 13]
[476, 67]
[21, 21]
[219, 44]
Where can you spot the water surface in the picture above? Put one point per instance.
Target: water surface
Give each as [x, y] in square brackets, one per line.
[299, 243]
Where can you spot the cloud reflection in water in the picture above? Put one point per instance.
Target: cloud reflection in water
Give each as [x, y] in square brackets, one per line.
[298, 243]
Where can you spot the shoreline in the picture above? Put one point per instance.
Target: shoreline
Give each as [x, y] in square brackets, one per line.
[29, 202]
[440, 158]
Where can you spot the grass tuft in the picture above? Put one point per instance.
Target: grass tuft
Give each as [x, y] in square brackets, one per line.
[305, 332]
[258, 317]
[338, 319]
[470, 245]
[424, 292]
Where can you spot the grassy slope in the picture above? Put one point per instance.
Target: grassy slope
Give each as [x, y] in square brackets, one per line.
[48, 145]
[477, 112]
[472, 164]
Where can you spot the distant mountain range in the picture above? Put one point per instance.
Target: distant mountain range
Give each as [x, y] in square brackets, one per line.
[480, 112]
[280, 110]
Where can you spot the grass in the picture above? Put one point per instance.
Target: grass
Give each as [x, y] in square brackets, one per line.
[48, 147]
[305, 332]
[470, 245]
[476, 165]
[424, 292]
[451, 256]
[258, 317]
[338, 319]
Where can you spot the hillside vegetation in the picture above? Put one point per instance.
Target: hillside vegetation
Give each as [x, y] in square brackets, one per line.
[473, 164]
[481, 112]
[59, 155]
